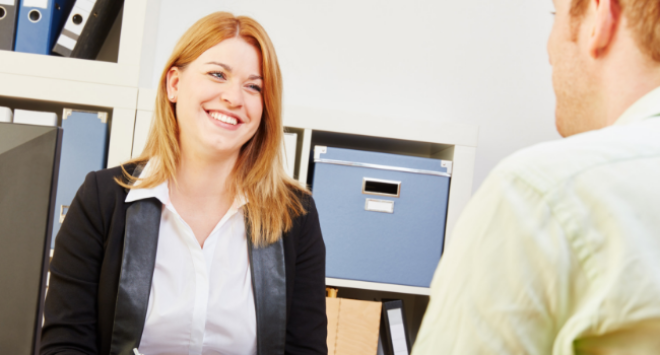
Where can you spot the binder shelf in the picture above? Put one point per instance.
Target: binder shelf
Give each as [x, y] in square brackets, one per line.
[117, 63]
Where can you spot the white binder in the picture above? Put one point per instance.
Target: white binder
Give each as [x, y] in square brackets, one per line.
[289, 152]
[5, 115]
[37, 118]
[74, 25]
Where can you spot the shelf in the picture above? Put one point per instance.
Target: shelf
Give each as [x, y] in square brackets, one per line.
[67, 91]
[375, 286]
[70, 69]
[360, 124]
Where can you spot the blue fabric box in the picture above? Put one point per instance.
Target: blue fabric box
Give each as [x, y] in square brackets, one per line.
[382, 215]
[84, 149]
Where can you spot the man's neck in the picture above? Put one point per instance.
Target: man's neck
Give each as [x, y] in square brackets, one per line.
[627, 80]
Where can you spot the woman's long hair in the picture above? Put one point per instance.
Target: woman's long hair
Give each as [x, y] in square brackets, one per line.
[273, 197]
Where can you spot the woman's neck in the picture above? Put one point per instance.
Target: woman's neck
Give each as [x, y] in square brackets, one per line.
[197, 177]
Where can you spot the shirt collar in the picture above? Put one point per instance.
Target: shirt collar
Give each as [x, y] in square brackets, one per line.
[162, 191]
[646, 107]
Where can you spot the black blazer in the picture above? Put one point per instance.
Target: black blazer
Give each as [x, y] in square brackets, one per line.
[100, 277]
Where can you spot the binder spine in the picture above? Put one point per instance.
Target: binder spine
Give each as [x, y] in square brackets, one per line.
[393, 329]
[85, 39]
[32, 27]
[74, 26]
[6, 115]
[8, 13]
[38, 24]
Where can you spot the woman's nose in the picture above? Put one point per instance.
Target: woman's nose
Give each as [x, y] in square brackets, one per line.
[232, 95]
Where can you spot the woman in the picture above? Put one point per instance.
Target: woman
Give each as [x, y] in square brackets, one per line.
[202, 245]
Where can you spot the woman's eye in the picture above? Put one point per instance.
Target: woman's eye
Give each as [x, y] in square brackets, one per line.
[218, 75]
[255, 87]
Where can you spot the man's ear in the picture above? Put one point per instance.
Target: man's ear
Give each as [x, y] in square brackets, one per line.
[173, 76]
[604, 26]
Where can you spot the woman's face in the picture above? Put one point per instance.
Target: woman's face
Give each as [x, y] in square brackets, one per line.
[218, 99]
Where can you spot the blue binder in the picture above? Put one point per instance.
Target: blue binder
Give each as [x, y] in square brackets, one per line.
[382, 215]
[39, 24]
[84, 149]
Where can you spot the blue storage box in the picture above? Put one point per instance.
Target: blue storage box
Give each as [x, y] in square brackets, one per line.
[382, 215]
[84, 149]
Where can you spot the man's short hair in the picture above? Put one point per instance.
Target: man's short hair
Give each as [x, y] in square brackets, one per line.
[644, 21]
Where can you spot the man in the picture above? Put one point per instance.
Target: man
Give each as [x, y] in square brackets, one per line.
[559, 250]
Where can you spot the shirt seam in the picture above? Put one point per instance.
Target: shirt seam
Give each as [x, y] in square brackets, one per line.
[535, 174]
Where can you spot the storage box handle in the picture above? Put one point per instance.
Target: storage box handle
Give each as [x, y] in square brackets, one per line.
[371, 186]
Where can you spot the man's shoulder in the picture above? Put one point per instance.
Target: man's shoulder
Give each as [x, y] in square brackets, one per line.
[546, 165]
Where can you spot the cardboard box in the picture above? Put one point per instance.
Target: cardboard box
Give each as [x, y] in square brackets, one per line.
[353, 326]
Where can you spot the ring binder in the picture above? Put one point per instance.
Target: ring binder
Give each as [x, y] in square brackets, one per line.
[8, 12]
[6, 115]
[393, 330]
[87, 27]
[39, 23]
[38, 118]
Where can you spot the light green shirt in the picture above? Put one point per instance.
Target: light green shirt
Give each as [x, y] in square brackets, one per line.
[558, 252]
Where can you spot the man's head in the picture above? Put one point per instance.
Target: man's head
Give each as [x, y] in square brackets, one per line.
[605, 55]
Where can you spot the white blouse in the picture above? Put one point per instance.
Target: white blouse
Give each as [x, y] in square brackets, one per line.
[201, 299]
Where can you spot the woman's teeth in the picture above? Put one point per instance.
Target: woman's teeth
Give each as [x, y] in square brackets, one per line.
[223, 118]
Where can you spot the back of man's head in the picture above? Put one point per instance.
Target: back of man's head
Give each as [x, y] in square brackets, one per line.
[605, 56]
[643, 20]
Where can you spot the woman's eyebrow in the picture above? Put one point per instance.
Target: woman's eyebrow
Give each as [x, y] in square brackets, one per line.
[229, 69]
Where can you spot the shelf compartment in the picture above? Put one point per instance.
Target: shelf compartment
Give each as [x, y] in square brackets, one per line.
[120, 123]
[118, 62]
[414, 305]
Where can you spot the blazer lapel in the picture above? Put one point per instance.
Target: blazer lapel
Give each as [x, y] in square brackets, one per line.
[137, 267]
[269, 288]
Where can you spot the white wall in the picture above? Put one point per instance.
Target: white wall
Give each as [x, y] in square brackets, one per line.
[480, 62]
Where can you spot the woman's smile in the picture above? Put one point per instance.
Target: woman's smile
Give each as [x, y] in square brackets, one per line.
[225, 119]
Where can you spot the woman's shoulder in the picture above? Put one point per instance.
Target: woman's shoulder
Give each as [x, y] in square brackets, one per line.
[101, 185]
[304, 197]
[107, 178]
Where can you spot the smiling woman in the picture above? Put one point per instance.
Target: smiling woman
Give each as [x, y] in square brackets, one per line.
[203, 244]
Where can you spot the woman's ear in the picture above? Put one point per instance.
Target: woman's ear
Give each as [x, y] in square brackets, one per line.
[173, 76]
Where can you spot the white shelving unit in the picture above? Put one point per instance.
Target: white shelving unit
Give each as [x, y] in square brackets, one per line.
[27, 79]
[53, 83]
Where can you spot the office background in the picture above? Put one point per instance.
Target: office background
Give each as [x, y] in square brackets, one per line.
[476, 62]
[459, 78]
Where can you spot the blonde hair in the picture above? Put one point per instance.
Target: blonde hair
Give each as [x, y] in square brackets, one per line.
[643, 19]
[273, 197]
